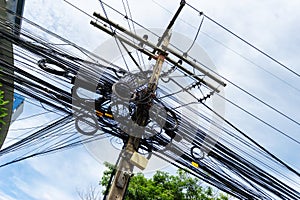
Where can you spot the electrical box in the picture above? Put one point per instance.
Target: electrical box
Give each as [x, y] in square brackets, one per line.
[139, 160]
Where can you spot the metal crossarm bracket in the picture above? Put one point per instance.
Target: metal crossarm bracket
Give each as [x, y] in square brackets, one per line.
[158, 49]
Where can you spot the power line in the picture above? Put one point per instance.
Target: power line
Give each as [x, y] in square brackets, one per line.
[246, 42]
[227, 47]
[253, 141]
[237, 164]
[245, 91]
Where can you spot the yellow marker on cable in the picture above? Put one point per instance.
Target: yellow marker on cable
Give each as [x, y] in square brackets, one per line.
[100, 114]
[108, 115]
[195, 164]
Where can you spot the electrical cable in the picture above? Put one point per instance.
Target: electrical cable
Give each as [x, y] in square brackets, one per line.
[224, 155]
[246, 42]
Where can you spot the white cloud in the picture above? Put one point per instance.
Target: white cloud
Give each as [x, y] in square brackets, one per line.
[68, 170]
[4, 196]
[41, 190]
[56, 176]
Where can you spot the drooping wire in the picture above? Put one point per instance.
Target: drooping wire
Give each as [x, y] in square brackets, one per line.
[196, 36]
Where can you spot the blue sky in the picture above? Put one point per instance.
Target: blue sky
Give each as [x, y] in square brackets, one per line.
[270, 25]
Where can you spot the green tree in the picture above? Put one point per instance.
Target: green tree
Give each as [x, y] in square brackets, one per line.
[3, 110]
[164, 186]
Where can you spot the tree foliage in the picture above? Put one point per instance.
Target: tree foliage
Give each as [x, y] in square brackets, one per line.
[3, 110]
[164, 186]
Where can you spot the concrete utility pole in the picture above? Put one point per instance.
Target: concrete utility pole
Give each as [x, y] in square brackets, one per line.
[123, 171]
[129, 156]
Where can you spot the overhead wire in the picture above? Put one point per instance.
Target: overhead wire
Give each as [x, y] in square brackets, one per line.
[116, 40]
[229, 48]
[140, 56]
[251, 61]
[128, 15]
[256, 143]
[247, 112]
[223, 176]
[246, 42]
[207, 131]
[84, 51]
[243, 90]
[184, 123]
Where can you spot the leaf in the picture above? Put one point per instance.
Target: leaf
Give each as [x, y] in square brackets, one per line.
[164, 186]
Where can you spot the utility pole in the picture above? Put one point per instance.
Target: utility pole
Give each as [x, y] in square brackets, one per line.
[123, 171]
[129, 156]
